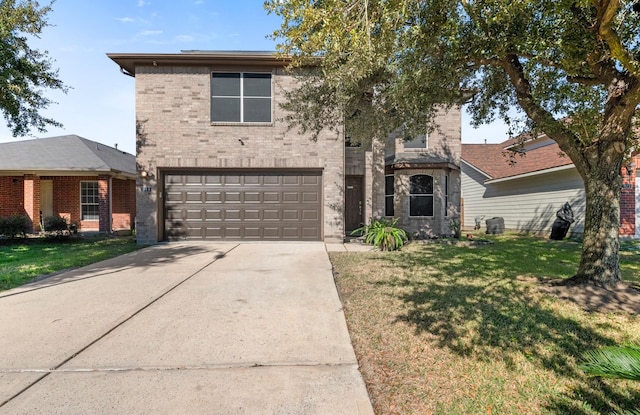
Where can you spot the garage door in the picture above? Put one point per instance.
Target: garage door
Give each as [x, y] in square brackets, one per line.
[263, 205]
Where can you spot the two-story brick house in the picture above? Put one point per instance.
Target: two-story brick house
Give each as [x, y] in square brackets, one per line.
[217, 161]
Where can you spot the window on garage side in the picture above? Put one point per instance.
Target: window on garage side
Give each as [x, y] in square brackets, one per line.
[420, 195]
[388, 195]
[241, 97]
[89, 201]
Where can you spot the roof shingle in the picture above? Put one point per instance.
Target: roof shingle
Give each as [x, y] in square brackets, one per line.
[494, 161]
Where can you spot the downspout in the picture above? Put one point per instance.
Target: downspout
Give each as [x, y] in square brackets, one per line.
[111, 203]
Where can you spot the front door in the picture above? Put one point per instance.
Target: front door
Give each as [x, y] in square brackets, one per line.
[353, 214]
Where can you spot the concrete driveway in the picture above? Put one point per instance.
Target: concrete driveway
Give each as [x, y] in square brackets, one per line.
[216, 328]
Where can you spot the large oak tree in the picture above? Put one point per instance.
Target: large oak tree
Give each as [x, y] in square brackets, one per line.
[25, 73]
[572, 67]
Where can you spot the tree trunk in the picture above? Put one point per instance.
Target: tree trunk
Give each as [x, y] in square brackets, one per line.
[600, 260]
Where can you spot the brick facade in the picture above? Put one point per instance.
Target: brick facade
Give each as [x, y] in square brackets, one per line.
[32, 200]
[11, 196]
[20, 195]
[173, 110]
[628, 197]
[123, 209]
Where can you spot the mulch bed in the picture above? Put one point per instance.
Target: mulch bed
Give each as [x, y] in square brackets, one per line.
[621, 298]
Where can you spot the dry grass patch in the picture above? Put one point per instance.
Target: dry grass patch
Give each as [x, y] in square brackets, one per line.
[452, 329]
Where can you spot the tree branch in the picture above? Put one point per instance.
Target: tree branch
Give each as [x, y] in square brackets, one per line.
[567, 140]
[607, 11]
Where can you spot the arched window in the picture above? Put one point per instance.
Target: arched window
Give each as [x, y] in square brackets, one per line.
[421, 195]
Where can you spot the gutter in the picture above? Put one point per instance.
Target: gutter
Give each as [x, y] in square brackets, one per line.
[533, 173]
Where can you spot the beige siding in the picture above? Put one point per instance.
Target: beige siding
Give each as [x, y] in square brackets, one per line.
[528, 204]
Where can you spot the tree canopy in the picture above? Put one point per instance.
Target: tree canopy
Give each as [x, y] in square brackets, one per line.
[25, 73]
[572, 68]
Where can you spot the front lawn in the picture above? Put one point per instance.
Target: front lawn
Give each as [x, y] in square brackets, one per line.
[466, 329]
[24, 260]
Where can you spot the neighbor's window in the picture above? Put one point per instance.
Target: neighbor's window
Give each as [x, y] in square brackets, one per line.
[421, 195]
[240, 97]
[421, 141]
[89, 197]
[388, 195]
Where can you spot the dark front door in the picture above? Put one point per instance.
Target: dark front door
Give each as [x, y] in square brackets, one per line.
[354, 209]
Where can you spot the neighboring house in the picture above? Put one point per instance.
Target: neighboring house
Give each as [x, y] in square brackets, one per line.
[529, 192]
[88, 183]
[217, 161]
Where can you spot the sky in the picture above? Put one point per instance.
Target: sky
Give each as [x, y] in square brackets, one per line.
[100, 105]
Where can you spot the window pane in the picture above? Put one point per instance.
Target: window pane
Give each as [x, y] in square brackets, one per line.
[257, 85]
[388, 185]
[225, 109]
[257, 110]
[90, 212]
[420, 205]
[417, 142]
[388, 206]
[225, 84]
[89, 198]
[421, 184]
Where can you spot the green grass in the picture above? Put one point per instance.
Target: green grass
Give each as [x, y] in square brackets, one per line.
[24, 260]
[459, 329]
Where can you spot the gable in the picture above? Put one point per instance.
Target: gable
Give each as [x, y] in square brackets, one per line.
[65, 153]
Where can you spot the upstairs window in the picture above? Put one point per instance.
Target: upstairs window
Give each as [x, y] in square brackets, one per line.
[89, 201]
[421, 195]
[241, 97]
[388, 195]
[419, 142]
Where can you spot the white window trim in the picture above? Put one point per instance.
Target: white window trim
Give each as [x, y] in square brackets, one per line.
[447, 189]
[432, 195]
[90, 204]
[242, 122]
[392, 195]
[420, 149]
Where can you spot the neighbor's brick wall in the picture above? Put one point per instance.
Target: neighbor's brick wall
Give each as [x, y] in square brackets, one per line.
[103, 204]
[66, 199]
[11, 196]
[32, 200]
[173, 108]
[628, 200]
[123, 207]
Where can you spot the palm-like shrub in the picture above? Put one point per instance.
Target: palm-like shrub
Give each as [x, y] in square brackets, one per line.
[616, 362]
[383, 234]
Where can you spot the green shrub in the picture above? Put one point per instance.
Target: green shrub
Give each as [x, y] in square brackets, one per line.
[12, 226]
[455, 226]
[383, 234]
[614, 362]
[56, 225]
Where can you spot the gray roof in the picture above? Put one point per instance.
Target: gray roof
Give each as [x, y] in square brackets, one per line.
[68, 153]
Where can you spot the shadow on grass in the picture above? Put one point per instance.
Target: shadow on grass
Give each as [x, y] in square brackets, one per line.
[475, 305]
[143, 259]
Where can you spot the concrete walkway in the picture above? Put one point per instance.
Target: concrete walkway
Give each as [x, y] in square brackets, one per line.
[216, 328]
